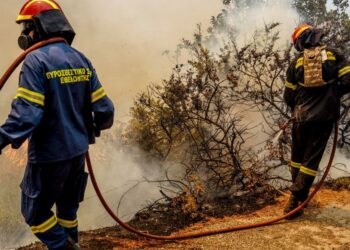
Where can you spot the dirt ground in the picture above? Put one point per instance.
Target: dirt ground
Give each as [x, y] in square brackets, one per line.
[324, 225]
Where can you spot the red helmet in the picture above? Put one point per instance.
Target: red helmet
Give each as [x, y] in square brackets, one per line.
[300, 30]
[34, 7]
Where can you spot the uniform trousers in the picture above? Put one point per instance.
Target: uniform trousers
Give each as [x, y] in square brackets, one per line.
[309, 141]
[47, 184]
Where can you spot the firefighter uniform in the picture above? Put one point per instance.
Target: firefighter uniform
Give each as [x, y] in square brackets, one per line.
[59, 106]
[315, 110]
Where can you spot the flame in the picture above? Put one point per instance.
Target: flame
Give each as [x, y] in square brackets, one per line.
[17, 157]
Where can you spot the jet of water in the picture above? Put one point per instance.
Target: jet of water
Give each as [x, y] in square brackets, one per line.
[277, 137]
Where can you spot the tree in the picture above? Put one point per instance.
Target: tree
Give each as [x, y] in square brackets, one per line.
[334, 22]
[191, 118]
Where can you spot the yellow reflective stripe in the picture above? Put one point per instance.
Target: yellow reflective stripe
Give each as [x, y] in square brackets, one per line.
[31, 96]
[295, 165]
[344, 71]
[23, 18]
[98, 94]
[330, 56]
[300, 63]
[29, 17]
[290, 85]
[308, 171]
[46, 226]
[36, 94]
[301, 31]
[30, 99]
[68, 223]
[53, 5]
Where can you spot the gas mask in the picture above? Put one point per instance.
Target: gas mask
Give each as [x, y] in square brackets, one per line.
[25, 40]
[45, 25]
[298, 46]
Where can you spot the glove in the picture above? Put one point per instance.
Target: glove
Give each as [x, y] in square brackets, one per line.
[3, 142]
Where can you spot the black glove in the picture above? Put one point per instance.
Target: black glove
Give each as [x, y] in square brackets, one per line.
[3, 142]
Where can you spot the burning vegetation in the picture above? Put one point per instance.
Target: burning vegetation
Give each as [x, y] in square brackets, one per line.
[195, 118]
[193, 126]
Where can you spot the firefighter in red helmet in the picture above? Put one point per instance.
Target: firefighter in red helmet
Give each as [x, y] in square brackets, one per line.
[315, 82]
[60, 107]
[45, 19]
[32, 8]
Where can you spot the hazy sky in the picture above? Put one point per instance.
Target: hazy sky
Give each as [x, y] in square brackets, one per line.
[123, 39]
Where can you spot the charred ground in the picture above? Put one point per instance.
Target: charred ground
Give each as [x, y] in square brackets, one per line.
[327, 218]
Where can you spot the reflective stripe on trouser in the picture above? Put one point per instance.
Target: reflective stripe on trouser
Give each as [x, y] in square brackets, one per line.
[45, 226]
[68, 220]
[294, 169]
[309, 140]
[50, 232]
[61, 183]
[68, 223]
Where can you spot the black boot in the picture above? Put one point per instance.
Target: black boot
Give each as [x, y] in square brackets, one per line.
[71, 245]
[304, 198]
[292, 204]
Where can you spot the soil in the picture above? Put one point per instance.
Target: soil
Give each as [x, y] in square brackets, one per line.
[325, 224]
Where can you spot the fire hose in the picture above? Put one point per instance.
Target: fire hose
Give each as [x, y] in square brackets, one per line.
[15, 64]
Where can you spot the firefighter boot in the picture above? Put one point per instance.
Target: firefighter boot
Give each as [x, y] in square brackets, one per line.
[71, 245]
[301, 187]
[304, 197]
[292, 204]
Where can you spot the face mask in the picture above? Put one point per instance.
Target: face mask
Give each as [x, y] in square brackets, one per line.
[25, 41]
[297, 46]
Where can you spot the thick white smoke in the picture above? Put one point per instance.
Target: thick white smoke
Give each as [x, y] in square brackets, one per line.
[264, 13]
[125, 41]
[243, 23]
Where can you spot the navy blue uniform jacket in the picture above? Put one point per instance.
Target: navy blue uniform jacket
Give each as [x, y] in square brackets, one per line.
[59, 104]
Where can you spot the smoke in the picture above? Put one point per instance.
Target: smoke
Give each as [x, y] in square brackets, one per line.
[119, 170]
[241, 24]
[245, 23]
[262, 13]
[125, 41]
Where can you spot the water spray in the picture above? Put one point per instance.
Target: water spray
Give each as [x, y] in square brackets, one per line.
[283, 128]
[15, 64]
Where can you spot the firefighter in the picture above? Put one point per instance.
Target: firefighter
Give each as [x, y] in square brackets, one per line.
[315, 82]
[60, 106]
